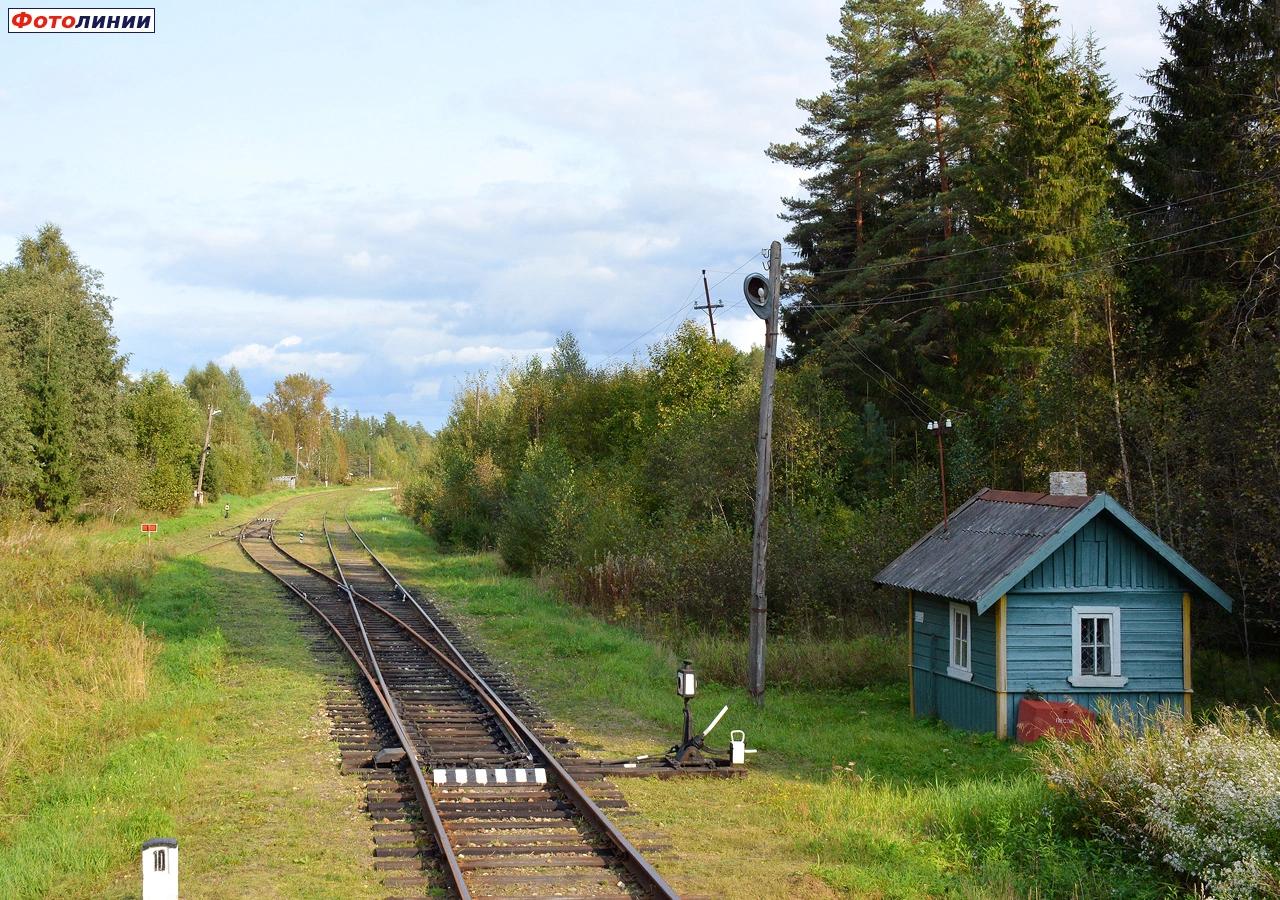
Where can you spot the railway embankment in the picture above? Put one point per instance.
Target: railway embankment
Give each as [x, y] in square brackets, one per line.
[152, 686]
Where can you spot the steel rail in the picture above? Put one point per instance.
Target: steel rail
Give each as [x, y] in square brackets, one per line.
[506, 720]
[378, 684]
[410, 752]
[631, 857]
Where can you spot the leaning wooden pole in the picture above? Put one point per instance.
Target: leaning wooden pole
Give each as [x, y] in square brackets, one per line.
[764, 459]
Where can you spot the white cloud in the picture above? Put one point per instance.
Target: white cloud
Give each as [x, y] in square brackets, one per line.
[365, 261]
[277, 360]
[477, 355]
[746, 330]
[593, 164]
[426, 390]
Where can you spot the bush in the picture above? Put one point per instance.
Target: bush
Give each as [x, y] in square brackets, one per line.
[458, 499]
[539, 522]
[167, 488]
[1201, 799]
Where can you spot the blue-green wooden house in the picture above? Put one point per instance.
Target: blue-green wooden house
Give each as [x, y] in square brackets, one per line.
[1064, 595]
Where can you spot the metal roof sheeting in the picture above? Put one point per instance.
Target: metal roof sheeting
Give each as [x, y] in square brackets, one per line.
[990, 535]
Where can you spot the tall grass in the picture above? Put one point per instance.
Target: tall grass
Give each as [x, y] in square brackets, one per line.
[68, 651]
[804, 662]
[991, 837]
[70, 647]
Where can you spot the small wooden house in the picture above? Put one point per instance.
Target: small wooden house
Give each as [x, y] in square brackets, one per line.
[1064, 595]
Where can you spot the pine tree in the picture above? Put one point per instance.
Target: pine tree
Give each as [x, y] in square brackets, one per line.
[891, 148]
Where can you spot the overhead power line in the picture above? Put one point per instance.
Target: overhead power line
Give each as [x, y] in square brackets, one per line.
[896, 388]
[888, 264]
[684, 305]
[997, 281]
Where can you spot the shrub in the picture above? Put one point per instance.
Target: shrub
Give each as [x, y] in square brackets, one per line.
[539, 520]
[167, 488]
[1201, 799]
[458, 499]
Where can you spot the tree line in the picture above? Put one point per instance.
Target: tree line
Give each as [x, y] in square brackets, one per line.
[983, 235]
[79, 437]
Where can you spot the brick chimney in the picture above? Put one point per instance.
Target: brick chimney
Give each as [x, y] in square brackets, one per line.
[1068, 484]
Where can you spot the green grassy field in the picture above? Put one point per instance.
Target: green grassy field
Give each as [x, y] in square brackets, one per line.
[173, 696]
[847, 797]
[162, 689]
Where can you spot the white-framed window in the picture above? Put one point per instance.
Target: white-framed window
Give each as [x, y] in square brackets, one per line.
[1095, 647]
[961, 664]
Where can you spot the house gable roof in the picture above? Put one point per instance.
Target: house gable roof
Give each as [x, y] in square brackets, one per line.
[997, 538]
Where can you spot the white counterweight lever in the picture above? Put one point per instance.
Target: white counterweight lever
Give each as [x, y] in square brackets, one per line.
[716, 721]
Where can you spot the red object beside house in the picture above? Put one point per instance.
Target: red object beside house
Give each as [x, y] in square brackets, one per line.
[1036, 718]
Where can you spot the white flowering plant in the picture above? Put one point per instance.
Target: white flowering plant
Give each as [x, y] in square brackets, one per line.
[1203, 799]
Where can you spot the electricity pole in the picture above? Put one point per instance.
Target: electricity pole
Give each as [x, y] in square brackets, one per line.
[204, 454]
[764, 460]
[711, 316]
[938, 427]
[297, 451]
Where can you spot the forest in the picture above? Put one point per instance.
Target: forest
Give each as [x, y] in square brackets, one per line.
[80, 437]
[983, 235]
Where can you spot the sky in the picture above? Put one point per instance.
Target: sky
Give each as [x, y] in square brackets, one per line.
[392, 196]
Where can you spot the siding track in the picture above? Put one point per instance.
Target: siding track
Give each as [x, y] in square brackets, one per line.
[507, 818]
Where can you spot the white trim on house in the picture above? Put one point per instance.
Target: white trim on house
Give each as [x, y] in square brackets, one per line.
[960, 653]
[1113, 678]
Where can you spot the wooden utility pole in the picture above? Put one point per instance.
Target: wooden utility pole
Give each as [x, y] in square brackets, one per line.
[711, 315]
[938, 427]
[204, 454]
[764, 459]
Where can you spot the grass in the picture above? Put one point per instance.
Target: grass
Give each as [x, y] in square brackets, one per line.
[847, 797]
[173, 696]
[865, 661]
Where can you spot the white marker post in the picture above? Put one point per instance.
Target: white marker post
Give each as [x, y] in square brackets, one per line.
[160, 869]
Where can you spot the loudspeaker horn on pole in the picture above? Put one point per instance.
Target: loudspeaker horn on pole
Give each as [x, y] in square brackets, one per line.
[756, 288]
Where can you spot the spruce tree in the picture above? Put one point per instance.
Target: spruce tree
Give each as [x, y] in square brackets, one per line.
[1209, 153]
[53, 305]
[57, 485]
[1034, 339]
[18, 469]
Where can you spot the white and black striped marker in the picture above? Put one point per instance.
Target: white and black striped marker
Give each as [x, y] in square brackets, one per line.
[489, 776]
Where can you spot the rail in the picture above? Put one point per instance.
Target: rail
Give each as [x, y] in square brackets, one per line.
[631, 857]
[380, 690]
[521, 737]
[410, 753]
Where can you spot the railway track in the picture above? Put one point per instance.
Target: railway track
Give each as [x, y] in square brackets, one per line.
[505, 816]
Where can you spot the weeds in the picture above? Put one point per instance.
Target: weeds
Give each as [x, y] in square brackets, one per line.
[805, 662]
[1203, 799]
